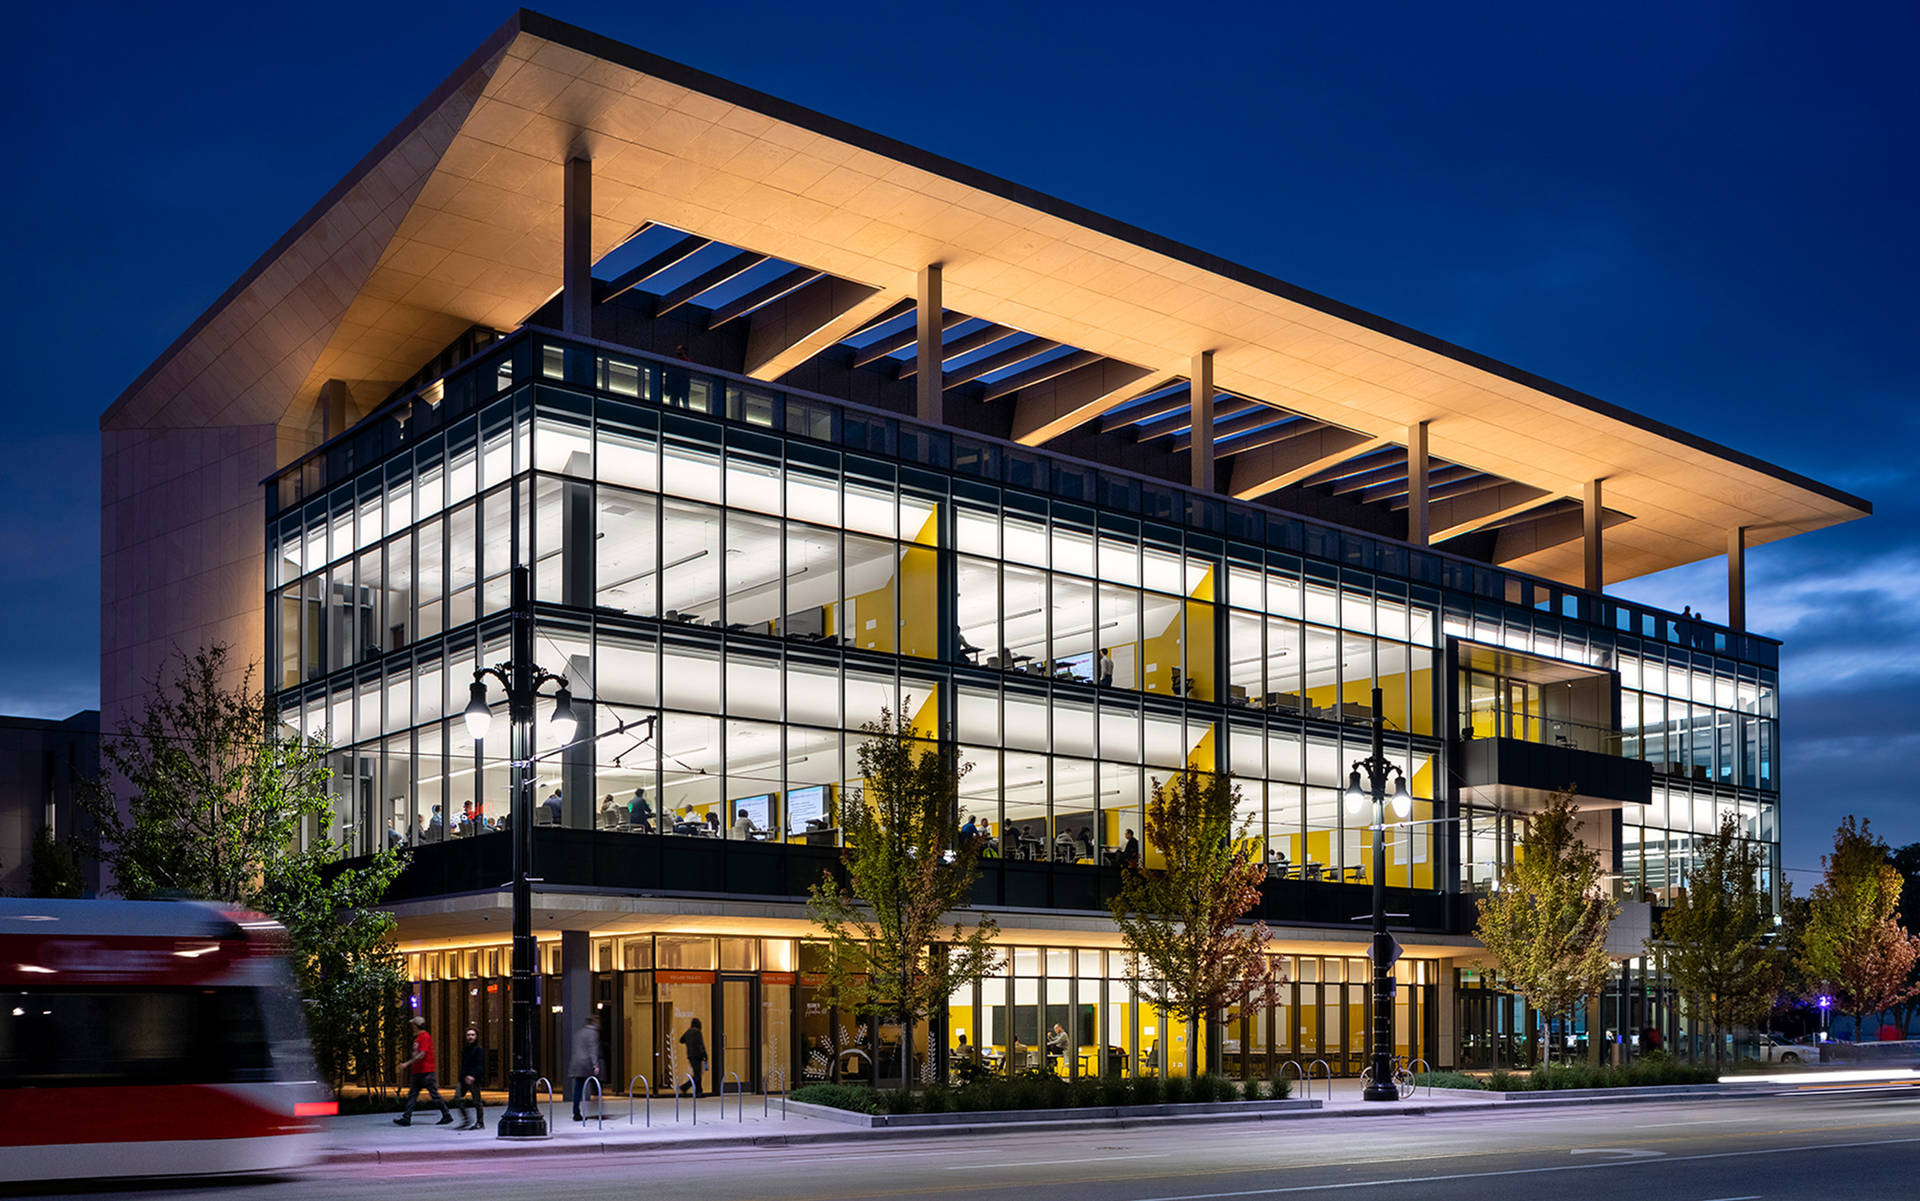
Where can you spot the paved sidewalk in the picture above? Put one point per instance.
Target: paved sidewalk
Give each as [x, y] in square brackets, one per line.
[362, 1137]
[752, 1121]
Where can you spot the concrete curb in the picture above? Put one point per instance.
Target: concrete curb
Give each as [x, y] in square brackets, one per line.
[1454, 1101]
[1029, 1117]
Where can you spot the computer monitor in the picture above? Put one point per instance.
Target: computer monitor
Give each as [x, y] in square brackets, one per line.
[814, 802]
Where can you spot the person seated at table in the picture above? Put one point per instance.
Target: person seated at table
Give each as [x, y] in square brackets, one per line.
[1084, 840]
[554, 804]
[968, 831]
[1130, 851]
[685, 822]
[610, 815]
[1056, 1044]
[639, 813]
[713, 824]
[743, 827]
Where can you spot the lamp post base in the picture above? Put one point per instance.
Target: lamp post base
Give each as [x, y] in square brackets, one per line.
[1380, 1092]
[523, 1118]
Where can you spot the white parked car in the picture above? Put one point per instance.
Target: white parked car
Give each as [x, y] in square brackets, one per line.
[1774, 1049]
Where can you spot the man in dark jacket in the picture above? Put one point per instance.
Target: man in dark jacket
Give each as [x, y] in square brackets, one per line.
[473, 1067]
[696, 1044]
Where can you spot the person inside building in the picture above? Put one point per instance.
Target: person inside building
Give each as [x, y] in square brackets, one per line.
[639, 813]
[744, 828]
[554, 806]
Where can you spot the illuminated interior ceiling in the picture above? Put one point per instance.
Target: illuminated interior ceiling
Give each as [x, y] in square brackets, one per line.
[455, 220]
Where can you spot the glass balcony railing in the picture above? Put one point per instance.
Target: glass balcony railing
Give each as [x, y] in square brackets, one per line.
[1547, 731]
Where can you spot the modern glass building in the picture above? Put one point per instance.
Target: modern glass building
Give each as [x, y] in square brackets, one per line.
[819, 426]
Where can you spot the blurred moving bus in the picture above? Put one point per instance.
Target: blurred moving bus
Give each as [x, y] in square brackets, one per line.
[150, 1038]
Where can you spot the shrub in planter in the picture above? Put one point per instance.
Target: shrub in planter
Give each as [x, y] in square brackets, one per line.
[1506, 1082]
[1251, 1091]
[1176, 1090]
[1446, 1080]
[1148, 1090]
[854, 1097]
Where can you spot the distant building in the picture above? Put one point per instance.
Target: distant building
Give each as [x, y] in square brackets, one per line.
[792, 421]
[42, 763]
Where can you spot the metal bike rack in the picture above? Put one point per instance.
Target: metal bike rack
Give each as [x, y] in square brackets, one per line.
[766, 1098]
[1320, 1063]
[740, 1097]
[696, 1101]
[599, 1103]
[1297, 1074]
[1426, 1069]
[549, 1084]
[649, 1084]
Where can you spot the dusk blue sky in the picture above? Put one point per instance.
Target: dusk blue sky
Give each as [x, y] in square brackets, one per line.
[1703, 212]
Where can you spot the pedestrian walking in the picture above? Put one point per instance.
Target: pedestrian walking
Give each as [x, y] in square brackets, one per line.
[696, 1045]
[585, 1061]
[473, 1066]
[420, 1068]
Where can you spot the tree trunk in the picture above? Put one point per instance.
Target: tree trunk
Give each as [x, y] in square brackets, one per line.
[1193, 1046]
[906, 1053]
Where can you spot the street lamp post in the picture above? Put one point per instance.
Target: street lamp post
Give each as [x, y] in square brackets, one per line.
[1380, 1085]
[522, 680]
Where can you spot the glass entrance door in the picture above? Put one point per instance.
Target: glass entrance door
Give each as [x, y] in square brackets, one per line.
[736, 1058]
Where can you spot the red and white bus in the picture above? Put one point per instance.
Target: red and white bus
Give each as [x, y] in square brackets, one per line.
[150, 1038]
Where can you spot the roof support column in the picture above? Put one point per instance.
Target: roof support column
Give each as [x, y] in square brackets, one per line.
[1417, 527]
[1200, 403]
[929, 372]
[576, 271]
[1592, 521]
[1737, 579]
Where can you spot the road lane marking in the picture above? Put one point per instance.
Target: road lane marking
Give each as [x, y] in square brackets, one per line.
[1754, 1197]
[1042, 1163]
[1623, 1152]
[1573, 1167]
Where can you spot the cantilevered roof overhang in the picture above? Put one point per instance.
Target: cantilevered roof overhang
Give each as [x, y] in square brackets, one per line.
[455, 219]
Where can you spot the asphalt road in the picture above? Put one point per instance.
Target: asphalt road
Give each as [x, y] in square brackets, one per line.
[1830, 1147]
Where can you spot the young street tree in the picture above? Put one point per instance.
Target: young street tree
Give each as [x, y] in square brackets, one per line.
[889, 951]
[1718, 941]
[1853, 945]
[1547, 922]
[1187, 950]
[212, 794]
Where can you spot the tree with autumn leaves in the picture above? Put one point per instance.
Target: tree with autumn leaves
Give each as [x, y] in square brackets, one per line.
[1853, 946]
[1187, 950]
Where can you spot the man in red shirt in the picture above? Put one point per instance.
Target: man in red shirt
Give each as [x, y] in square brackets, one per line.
[421, 1067]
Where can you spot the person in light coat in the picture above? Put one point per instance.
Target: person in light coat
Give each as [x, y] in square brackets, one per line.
[585, 1061]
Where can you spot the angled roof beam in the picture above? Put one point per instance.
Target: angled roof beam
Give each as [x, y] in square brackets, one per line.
[1478, 481]
[1173, 402]
[1181, 420]
[1047, 410]
[1398, 490]
[1295, 427]
[998, 362]
[1556, 526]
[1373, 477]
[1465, 514]
[786, 333]
[713, 277]
[987, 335]
[897, 309]
[679, 252]
[1242, 420]
[780, 285]
[1258, 472]
[1040, 373]
[900, 340]
[1379, 456]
